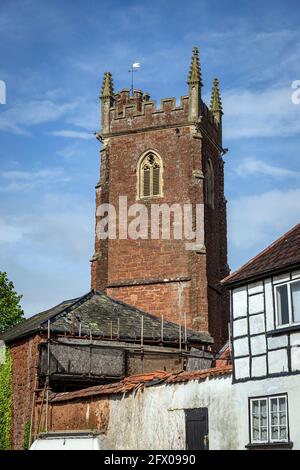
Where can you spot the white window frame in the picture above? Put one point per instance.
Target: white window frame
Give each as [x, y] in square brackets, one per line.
[260, 441]
[269, 433]
[270, 421]
[290, 307]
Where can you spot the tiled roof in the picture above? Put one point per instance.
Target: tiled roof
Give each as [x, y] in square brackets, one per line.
[103, 317]
[135, 382]
[281, 255]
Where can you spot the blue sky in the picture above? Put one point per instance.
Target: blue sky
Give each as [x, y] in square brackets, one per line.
[53, 55]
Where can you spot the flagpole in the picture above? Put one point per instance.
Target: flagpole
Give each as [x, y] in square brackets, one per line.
[134, 66]
[131, 89]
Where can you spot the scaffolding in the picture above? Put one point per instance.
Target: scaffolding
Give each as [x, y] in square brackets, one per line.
[40, 411]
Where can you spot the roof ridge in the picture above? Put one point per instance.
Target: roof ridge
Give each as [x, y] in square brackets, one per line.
[78, 299]
[264, 251]
[26, 320]
[29, 320]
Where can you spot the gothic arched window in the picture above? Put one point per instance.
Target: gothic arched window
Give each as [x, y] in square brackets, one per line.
[210, 184]
[150, 175]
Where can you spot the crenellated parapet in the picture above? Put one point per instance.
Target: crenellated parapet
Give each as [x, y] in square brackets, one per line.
[138, 112]
[123, 112]
[209, 123]
[123, 99]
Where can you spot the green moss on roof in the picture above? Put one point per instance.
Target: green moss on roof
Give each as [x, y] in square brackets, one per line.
[98, 314]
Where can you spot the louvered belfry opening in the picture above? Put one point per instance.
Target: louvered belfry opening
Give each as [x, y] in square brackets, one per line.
[150, 176]
[147, 178]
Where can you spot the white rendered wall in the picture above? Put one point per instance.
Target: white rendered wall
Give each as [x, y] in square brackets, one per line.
[154, 418]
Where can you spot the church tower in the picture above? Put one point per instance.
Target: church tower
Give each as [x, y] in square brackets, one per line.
[171, 155]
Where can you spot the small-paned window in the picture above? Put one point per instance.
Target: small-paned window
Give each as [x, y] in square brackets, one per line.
[259, 420]
[269, 419]
[150, 176]
[287, 298]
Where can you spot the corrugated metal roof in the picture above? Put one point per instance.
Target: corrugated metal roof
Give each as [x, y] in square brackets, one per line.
[199, 374]
[129, 384]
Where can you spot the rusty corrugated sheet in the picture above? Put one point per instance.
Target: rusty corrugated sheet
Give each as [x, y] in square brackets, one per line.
[138, 381]
[199, 374]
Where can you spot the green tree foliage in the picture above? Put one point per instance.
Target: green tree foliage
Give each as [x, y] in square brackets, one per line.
[11, 312]
[6, 402]
[26, 440]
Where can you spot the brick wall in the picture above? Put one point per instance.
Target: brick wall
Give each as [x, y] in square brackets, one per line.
[25, 360]
[170, 298]
[216, 250]
[88, 414]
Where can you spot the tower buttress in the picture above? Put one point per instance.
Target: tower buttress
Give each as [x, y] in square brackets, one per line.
[216, 106]
[195, 84]
[107, 101]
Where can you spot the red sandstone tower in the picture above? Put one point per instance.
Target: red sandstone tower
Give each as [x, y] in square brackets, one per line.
[170, 155]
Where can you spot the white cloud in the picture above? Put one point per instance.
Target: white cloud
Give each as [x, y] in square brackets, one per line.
[10, 231]
[69, 151]
[21, 116]
[73, 134]
[78, 149]
[253, 166]
[32, 175]
[256, 221]
[267, 113]
[15, 180]
[262, 56]
[86, 114]
[46, 250]
[82, 113]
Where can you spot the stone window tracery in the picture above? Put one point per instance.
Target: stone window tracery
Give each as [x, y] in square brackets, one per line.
[150, 176]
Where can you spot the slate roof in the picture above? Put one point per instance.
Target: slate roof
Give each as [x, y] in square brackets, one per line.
[32, 324]
[100, 316]
[280, 256]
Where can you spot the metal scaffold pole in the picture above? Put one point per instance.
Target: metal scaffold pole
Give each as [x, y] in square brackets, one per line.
[48, 377]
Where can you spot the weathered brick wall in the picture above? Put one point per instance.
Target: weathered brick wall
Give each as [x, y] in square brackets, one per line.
[25, 360]
[86, 414]
[216, 250]
[160, 298]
